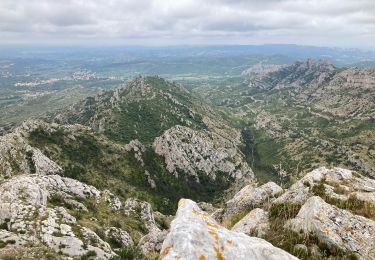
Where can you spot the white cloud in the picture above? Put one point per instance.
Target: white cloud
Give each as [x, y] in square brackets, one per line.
[323, 22]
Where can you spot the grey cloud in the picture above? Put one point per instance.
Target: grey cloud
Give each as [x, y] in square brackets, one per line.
[195, 21]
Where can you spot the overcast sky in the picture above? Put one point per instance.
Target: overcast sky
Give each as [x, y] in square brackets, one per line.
[345, 23]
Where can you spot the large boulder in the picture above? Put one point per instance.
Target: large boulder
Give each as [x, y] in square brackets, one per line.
[254, 223]
[337, 227]
[195, 235]
[251, 197]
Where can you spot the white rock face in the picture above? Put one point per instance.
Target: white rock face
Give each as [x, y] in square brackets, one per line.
[255, 222]
[251, 197]
[29, 216]
[352, 185]
[153, 241]
[142, 209]
[336, 227]
[18, 157]
[43, 165]
[195, 152]
[195, 235]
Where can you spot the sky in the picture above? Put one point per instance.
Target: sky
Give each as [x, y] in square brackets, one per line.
[341, 23]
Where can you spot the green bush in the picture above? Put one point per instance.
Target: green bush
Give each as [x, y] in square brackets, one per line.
[129, 253]
[89, 255]
[281, 212]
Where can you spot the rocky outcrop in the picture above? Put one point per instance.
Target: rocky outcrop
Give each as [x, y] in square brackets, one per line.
[18, 157]
[133, 206]
[251, 197]
[254, 223]
[337, 183]
[28, 213]
[336, 227]
[200, 152]
[42, 164]
[154, 239]
[119, 236]
[195, 235]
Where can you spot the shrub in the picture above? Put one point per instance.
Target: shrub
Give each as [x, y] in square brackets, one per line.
[30, 161]
[283, 211]
[4, 226]
[319, 189]
[231, 221]
[129, 253]
[90, 254]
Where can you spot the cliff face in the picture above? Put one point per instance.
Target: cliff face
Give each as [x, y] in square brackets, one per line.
[201, 152]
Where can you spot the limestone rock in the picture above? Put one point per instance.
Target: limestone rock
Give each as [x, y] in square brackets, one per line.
[18, 157]
[217, 215]
[336, 226]
[31, 218]
[142, 209]
[207, 207]
[44, 165]
[195, 235]
[153, 241]
[121, 237]
[350, 183]
[113, 201]
[193, 152]
[251, 197]
[254, 223]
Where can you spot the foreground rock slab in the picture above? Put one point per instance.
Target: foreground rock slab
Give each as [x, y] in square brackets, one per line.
[195, 235]
[336, 227]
